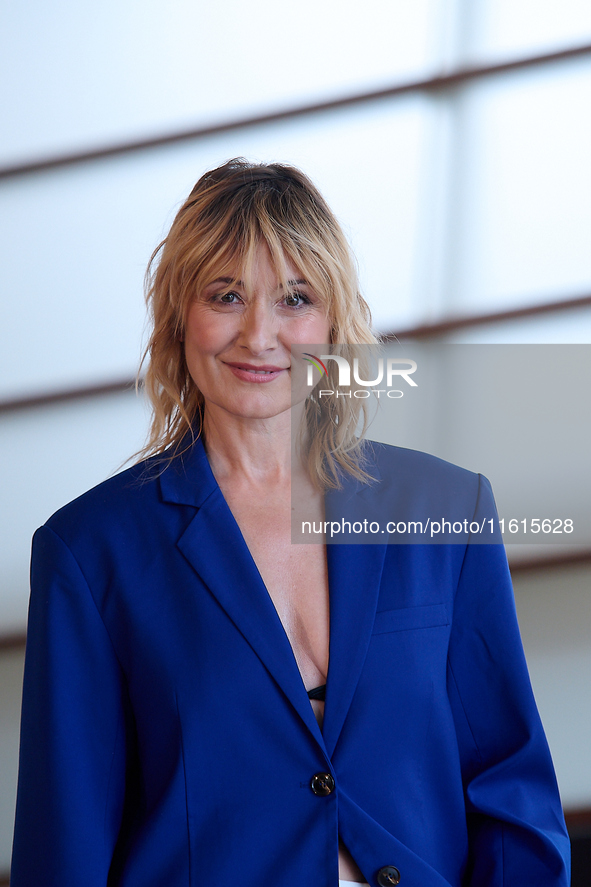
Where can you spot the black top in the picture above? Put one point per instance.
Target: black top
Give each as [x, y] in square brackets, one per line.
[318, 693]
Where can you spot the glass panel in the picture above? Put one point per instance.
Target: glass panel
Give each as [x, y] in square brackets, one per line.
[74, 74]
[55, 454]
[554, 610]
[75, 243]
[508, 28]
[523, 203]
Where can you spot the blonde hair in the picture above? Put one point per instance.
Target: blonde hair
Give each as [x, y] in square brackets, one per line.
[230, 212]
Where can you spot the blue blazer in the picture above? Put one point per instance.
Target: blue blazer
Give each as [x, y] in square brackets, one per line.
[167, 738]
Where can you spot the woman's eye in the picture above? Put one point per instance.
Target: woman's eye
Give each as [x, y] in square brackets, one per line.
[296, 300]
[227, 298]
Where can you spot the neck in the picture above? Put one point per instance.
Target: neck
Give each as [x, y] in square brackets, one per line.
[257, 451]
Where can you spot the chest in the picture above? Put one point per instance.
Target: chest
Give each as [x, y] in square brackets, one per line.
[296, 578]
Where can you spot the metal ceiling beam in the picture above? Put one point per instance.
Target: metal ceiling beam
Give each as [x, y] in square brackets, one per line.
[434, 84]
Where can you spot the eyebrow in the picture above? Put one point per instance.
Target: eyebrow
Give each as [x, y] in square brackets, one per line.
[231, 280]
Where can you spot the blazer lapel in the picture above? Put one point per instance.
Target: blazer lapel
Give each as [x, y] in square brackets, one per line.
[354, 576]
[215, 548]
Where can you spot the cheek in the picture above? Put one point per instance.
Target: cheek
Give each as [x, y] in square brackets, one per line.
[311, 331]
[321, 331]
[205, 334]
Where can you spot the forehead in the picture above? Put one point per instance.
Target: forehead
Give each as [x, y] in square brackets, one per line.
[257, 267]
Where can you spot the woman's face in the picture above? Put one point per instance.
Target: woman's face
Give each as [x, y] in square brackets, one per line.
[237, 343]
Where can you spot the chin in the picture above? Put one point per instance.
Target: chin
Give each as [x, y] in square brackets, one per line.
[247, 408]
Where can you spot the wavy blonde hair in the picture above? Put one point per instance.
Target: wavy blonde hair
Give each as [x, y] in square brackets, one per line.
[230, 212]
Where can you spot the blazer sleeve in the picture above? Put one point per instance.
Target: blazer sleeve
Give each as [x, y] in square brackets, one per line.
[72, 754]
[515, 820]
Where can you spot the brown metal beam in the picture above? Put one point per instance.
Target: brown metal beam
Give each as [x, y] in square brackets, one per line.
[578, 822]
[453, 324]
[14, 641]
[550, 562]
[428, 84]
[82, 392]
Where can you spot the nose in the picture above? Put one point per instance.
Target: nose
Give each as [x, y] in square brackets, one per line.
[258, 331]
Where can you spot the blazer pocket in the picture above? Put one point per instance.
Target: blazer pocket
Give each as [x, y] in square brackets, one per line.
[410, 617]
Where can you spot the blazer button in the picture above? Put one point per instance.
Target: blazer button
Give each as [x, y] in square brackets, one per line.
[388, 875]
[322, 784]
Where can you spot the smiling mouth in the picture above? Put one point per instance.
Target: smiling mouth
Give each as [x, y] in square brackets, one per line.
[249, 368]
[250, 373]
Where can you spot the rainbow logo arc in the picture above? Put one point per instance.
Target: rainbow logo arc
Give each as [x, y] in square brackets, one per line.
[315, 361]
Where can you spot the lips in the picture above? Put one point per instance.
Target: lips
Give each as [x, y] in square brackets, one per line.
[253, 373]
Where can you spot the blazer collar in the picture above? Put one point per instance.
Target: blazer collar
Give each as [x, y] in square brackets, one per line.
[214, 546]
[187, 478]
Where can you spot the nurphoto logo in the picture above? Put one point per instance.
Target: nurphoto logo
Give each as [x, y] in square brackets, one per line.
[392, 371]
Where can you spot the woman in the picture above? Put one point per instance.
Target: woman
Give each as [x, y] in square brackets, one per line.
[176, 636]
